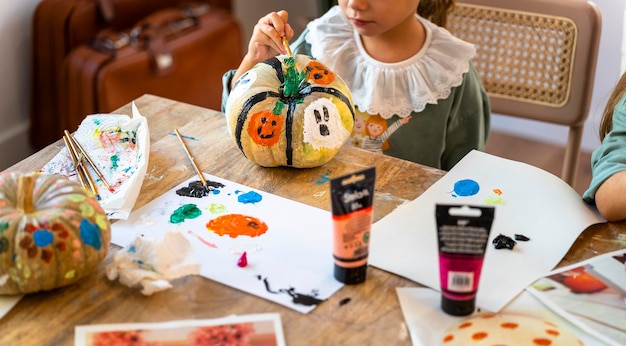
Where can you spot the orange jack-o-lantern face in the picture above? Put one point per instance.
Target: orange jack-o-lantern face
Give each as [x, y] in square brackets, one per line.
[319, 73]
[264, 128]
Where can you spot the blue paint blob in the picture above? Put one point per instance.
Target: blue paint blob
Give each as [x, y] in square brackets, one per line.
[90, 233]
[43, 237]
[216, 192]
[249, 197]
[466, 187]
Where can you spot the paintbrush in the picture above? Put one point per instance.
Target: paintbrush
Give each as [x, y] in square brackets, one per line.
[81, 172]
[286, 44]
[193, 162]
[90, 161]
[80, 166]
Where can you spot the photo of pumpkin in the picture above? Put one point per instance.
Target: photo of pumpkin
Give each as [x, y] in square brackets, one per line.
[52, 232]
[290, 111]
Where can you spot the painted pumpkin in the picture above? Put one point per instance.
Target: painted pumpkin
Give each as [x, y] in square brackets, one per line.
[52, 232]
[290, 111]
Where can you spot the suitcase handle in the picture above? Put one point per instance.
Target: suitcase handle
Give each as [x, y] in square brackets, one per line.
[155, 30]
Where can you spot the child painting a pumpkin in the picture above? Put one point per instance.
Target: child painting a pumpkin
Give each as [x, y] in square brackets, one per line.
[400, 66]
[607, 189]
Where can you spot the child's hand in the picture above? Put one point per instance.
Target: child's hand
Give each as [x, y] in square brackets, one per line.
[266, 40]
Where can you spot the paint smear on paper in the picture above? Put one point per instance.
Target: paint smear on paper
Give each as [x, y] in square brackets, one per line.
[207, 243]
[297, 298]
[235, 225]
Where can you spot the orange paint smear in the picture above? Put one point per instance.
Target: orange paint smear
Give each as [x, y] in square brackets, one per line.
[235, 225]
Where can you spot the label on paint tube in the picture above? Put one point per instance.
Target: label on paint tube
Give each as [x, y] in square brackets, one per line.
[462, 236]
[352, 198]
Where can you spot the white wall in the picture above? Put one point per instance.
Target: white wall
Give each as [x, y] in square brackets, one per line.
[15, 33]
[15, 62]
[250, 11]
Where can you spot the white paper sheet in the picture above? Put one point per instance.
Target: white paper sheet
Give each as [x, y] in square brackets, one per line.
[427, 323]
[590, 294]
[290, 264]
[527, 200]
[7, 303]
[120, 146]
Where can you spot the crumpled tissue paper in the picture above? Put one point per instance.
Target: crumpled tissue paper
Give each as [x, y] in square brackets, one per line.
[152, 264]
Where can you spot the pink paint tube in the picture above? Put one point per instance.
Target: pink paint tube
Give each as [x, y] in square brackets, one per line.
[462, 234]
[352, 198]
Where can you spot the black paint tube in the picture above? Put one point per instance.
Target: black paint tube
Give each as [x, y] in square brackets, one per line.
[352, 198]
[462, 236]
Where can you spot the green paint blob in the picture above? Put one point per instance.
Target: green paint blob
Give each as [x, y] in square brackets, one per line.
[493, 200]
[187, 211]
[115, 161]
[3, 226]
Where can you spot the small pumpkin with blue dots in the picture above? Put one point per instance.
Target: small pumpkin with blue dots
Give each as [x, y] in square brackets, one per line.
[53, 232]
[290, 111]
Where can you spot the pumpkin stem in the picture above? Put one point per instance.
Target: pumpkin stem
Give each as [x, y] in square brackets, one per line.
[25, 187]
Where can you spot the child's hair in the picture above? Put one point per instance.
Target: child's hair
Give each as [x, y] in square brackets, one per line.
[606, 124]
[435, 10]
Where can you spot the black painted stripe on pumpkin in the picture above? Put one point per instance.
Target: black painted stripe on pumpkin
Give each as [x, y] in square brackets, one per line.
[289, 133]
[241, 118]
[277, 65]
[337, 94]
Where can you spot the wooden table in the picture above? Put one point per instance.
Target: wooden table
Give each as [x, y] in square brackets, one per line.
[373, 315]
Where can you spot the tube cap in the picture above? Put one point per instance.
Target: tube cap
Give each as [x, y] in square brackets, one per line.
[458, 307]
[350, 276]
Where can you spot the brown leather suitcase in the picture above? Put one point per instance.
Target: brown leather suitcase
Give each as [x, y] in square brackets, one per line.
[178, 53]
[62, 25]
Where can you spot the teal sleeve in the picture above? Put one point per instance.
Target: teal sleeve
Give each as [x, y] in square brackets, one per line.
[226, 82]
[610, 157]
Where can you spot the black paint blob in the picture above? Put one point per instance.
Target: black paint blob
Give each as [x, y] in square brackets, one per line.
[197, 190]
[504, 242]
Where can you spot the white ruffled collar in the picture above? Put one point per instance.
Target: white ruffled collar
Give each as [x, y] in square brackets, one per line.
[390, 88]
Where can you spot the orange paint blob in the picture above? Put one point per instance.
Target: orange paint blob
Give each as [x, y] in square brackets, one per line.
[448, 338]
[509, 325]
[542, 342]
[479, 336]
[552, 332]
[235, 225]
[465, 325]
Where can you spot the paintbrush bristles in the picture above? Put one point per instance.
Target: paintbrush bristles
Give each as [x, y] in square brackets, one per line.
[193, 162]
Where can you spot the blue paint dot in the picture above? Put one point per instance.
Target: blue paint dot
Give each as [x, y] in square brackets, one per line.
[90, 233]
[43, 237]
[249, 197]
[466, 187]
[216, 192]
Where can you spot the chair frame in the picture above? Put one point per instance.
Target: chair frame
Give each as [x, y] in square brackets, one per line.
[537, 60]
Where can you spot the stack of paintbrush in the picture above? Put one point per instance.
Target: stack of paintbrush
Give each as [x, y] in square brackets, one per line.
[81, 159]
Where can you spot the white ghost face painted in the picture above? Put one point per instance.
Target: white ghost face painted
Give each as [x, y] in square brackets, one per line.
[322, 125]
[242, 85]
